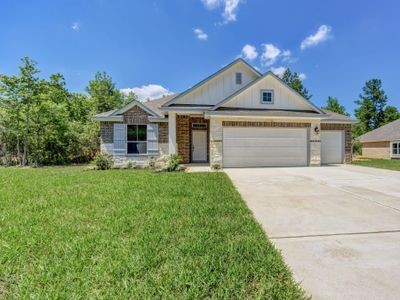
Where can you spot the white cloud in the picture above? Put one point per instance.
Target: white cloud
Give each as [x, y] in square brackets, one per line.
[286, 55]
[200, 34]
[302, 76]
[75, 26]
[249, 52]
[278, 71]
[150, 91]
[230, 8]
[323, 33]
[270, 54]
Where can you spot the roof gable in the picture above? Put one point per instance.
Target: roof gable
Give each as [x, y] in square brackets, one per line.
[213, 89]
[133, 104]
[284, 96]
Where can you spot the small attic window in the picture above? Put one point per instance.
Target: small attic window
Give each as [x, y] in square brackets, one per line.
[267, 96]
[238, 78]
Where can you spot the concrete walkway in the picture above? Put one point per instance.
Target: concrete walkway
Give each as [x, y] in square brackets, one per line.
[338, 227]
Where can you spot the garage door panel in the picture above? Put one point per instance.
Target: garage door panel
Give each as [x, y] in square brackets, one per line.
[270, 142]
[262, 162]
[258, 147]
[332, 147]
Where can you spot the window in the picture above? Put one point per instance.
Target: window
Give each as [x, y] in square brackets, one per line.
[238, 78]
[137, 139]
[396, 149]
[267, 96]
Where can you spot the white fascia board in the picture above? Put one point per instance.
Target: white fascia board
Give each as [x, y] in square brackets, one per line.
[109, 118]
[338, 121]
[249, 116]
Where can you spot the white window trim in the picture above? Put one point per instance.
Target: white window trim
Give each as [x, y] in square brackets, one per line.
[126, 142]
[398, 149]
[272, 95]
[241, 78]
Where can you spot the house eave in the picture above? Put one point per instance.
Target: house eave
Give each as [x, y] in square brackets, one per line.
[108, 119]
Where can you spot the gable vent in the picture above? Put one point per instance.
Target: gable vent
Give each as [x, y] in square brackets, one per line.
[238, 78]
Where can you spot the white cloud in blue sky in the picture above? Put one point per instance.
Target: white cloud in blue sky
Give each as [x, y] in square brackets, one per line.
[75, 26]
[230, 8]
[323, 34]
[150, 91]
[249, 52]
[200, 34]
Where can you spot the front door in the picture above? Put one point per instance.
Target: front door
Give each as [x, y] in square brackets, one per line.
[199, 145]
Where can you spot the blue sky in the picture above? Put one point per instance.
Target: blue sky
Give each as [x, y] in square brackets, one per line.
[158, 46]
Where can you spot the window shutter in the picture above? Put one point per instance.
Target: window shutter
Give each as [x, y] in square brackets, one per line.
[119, 139]
[152, 139]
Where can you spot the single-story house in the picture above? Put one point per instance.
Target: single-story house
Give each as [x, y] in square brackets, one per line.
[237, 117]
[383, 142]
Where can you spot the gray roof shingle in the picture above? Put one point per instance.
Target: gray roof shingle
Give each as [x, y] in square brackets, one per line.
[388, 132]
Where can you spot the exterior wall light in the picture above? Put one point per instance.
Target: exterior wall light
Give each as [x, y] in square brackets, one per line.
[316, 129]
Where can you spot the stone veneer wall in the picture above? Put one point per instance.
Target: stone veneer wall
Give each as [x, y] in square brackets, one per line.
[347, 137]
[376, 150]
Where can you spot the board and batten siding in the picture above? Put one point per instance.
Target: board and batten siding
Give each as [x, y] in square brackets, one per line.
[219, 87]
[283, 98]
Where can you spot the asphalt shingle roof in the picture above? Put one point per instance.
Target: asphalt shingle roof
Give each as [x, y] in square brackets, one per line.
[388, 132]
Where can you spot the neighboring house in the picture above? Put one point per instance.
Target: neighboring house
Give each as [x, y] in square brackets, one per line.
[383, 142]
[237, 117]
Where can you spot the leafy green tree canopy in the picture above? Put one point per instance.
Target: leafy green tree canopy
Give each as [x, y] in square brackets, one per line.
[293, 80]
[104, 93]
[332, 104]
[371, 103]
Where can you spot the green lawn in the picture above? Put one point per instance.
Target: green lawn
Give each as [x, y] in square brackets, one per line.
[393, 164]
[70, 233]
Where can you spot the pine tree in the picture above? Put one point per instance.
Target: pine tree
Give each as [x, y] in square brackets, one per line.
[293, 80]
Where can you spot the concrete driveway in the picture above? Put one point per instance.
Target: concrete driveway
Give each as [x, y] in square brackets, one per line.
[338, 227]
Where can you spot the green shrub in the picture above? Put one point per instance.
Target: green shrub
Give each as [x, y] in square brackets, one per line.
[216, 167]
[173, 162]
[131, 164]
[103, 161]
[357, 148]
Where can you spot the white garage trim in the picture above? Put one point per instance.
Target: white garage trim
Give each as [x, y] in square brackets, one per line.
[265, 147]
[332, 146]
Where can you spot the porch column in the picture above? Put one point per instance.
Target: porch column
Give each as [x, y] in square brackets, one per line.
[315, 144]
[172, 133]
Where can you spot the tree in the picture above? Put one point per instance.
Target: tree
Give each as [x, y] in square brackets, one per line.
[371, 106]
[44, 120]
[293, 80]
[332, 104]
[391, 114]
[104, 93]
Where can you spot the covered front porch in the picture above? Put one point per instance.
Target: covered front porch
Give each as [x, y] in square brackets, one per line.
[189, 136]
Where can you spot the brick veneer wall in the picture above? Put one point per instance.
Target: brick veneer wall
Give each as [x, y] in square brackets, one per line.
[347, 137]
[265, 124]
[376, 150]
[136, 115]
[106, 132]
[183, 137]
[163, 132]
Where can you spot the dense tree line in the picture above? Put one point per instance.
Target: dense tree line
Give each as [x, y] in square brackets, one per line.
[42, 123]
